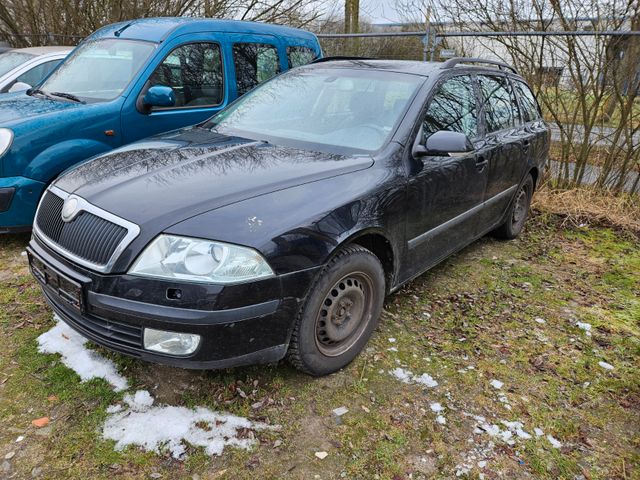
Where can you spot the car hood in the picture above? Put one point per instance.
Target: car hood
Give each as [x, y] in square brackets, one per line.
[160, 182]
[19, 106]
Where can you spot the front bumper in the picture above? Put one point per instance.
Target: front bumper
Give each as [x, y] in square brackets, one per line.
[21, 196]
[238, 324]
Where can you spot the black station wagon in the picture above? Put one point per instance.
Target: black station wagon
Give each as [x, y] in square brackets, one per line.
[277, 227]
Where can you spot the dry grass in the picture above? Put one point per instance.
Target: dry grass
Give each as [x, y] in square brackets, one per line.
[579, 206]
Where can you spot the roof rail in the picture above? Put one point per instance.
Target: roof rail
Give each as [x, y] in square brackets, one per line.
[452, 62]
[329, 59]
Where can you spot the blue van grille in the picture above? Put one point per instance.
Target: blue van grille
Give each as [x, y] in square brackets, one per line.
[87, 236]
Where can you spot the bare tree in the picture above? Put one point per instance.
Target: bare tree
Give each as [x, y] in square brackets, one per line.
[29, 22]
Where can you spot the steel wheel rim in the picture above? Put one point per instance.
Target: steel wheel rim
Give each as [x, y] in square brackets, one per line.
[520, 207]
[344, 314]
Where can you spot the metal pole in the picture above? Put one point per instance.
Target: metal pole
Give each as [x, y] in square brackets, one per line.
[427, 39]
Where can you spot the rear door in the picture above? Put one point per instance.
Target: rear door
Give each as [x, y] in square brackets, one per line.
[445, 193]
[505, 144]
[534, 130]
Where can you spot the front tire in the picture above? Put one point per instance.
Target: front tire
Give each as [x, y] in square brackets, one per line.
[517, 213]
[340, 313]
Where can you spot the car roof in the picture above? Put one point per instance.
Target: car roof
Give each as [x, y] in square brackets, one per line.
[43, 50]
[413, 67]
[159, 29]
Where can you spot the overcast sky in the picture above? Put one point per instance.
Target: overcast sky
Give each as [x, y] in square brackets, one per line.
[378, 11]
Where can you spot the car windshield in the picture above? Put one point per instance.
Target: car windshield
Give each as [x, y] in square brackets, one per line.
[352, 108]
[99, 70]
[10, 60]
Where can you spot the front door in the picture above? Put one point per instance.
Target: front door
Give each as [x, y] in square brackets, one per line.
[445, 193]
[196, 73]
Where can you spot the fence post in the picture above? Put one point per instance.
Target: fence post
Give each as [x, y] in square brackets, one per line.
[427, 39]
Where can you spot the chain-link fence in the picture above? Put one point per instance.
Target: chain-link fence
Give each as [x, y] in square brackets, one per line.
[587, 82]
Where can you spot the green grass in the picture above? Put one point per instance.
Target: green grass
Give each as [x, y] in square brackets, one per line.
[476, 309]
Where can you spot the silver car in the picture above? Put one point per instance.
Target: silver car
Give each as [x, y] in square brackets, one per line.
[22, 68]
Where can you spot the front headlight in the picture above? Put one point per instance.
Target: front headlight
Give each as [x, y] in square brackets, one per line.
[6, 139]
[196, 260]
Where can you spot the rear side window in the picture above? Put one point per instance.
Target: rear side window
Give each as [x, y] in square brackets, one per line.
[194, 72]
[298, 56]
[36, 74]
[530, 108]
[254, 63]
[453, 108]
[499, 109]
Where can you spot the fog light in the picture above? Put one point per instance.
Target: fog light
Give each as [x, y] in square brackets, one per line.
[171, 343]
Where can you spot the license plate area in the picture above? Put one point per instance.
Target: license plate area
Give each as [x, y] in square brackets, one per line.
[57, 284]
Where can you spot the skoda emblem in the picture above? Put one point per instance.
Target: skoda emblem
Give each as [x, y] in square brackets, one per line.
[69, 209]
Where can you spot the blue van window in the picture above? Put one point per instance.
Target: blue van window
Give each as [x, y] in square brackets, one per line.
[194, 72]
[254, 63]
[298, 56]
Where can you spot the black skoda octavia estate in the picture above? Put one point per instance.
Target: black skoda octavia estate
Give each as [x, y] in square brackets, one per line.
[277, 227]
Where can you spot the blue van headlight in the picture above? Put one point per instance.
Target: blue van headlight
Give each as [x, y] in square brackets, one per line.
[6, 139]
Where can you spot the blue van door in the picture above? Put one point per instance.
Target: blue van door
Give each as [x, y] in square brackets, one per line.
[197, 72]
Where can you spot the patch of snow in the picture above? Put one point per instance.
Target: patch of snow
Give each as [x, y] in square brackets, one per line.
[584, 326]
[606, 366]
[114, 408]
[441, 420]
[497, 384]
[516, 427]
[554, 442]
[539, 320]
[392, 340]
[338, 412]
[392, 349]
[436, 407]
[406, 376]
[86, 363]
[154, 428]
[482, 463]
[538, 431]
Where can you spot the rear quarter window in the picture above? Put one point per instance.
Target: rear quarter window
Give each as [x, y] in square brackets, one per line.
[531, 111]
[298, 56]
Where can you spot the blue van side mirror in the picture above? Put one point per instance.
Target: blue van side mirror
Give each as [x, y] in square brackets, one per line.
[159, 96]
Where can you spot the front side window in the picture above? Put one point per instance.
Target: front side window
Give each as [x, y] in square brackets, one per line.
[254, 63]
[498, 105]
[36, 74]
[298, 56]
[10, 60]
[345, 108]
[194, 72]
[530, 109]
[453, 108]
[99, 70]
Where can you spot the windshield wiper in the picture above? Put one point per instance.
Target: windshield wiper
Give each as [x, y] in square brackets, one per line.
[70, 96]
[37, 91]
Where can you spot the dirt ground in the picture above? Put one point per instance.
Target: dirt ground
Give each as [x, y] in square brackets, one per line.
[543, 330]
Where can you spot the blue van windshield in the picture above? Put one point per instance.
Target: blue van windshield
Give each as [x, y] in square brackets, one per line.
[99, 70]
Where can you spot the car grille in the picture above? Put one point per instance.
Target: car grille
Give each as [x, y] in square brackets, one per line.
[87, 237]
[123, 334]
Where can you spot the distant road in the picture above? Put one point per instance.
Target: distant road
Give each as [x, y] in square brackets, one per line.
[599, 135]
[591, 174]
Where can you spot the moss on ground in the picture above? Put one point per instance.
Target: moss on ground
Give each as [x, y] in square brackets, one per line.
[498, 310]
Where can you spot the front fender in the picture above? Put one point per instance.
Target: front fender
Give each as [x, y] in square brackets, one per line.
[49, 163]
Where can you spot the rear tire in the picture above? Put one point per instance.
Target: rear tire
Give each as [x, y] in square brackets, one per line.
[340, 313]
[517, 213]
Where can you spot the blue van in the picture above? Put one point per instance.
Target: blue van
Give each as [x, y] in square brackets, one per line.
[128, 81]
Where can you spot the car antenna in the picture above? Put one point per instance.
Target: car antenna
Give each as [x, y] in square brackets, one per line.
[118, 32]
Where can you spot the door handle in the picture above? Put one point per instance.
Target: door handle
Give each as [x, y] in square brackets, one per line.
[481, 162]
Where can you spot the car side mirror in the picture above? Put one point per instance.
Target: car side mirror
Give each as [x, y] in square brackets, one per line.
[159, 96]
[442, 143]
[19, 87]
